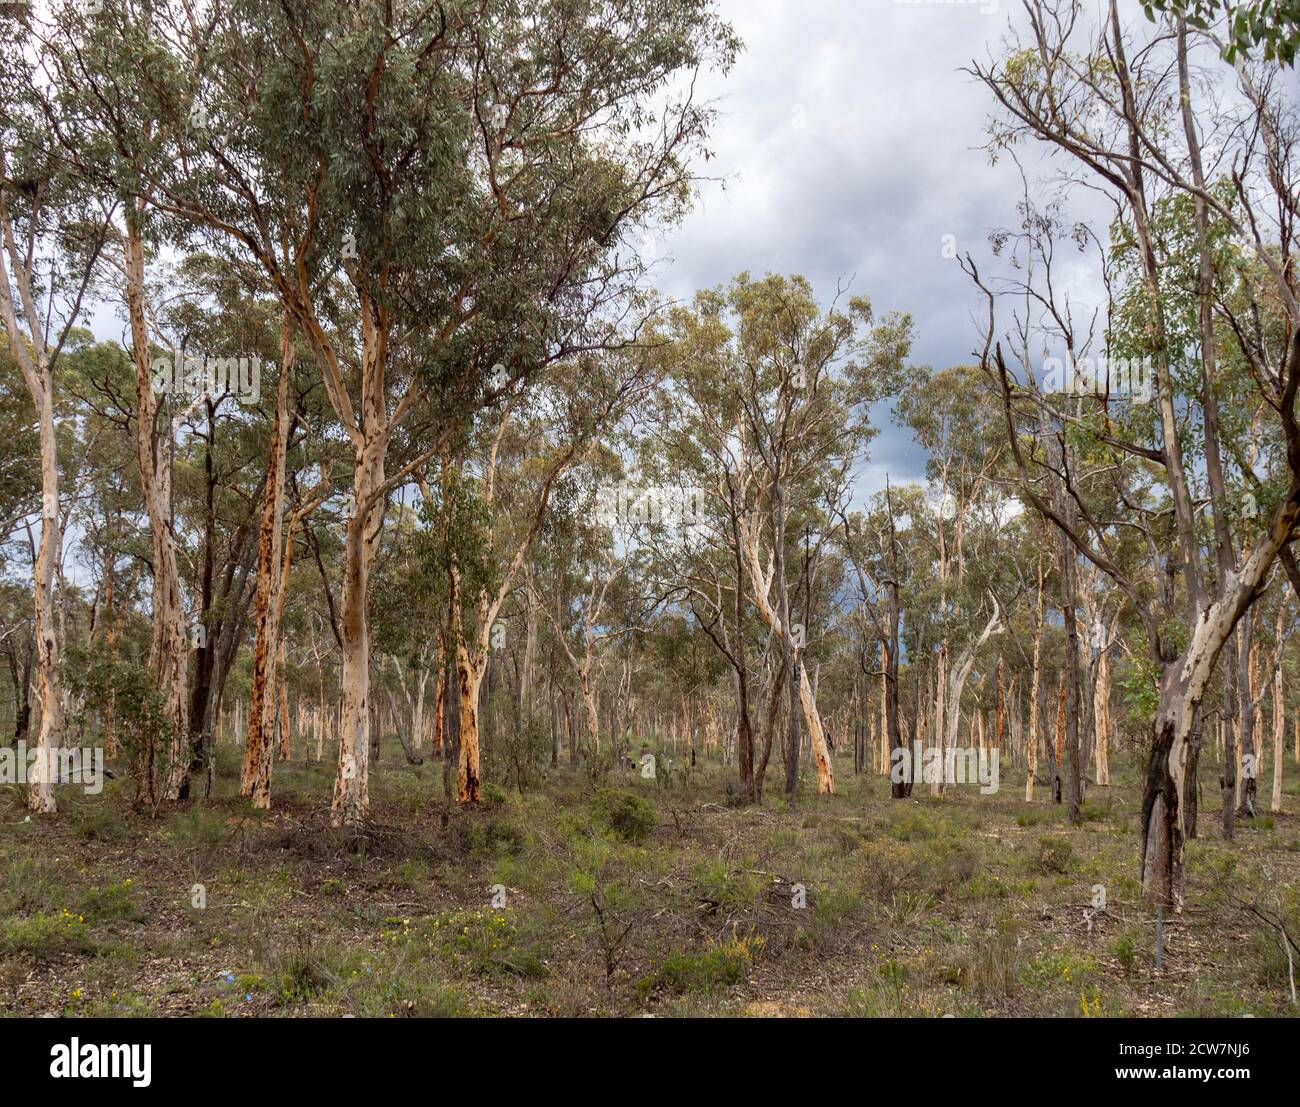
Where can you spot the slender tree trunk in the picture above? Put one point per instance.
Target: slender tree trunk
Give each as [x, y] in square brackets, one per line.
[286, 751]
[255, 778]
[49, 696]
[1035, 686]
[1247, 757]
[1279, 724]
[169, 646]
[1101, 713]
[351, 800]
[943, 737]
[883, 732]
[1069, 607]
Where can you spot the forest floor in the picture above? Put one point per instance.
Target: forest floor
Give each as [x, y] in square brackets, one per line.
[632, 898]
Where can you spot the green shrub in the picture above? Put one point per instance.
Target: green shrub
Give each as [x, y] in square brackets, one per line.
[488, 943]
[626, 814]
[1054, 854]
[99, 822]
[716, 967]
[112, 901]
[1125, 950]
[199, 826]
[64, 932]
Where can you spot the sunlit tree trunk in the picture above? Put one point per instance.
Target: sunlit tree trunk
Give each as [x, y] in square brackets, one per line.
[1101, 714]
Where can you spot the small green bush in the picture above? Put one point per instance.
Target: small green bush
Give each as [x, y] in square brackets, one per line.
[629, 816]
[1055, 854]
[716, 967]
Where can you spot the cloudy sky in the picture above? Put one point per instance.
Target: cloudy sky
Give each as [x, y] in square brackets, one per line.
[851, 143]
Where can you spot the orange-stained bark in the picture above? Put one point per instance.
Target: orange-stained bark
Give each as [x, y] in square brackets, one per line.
[255, 778]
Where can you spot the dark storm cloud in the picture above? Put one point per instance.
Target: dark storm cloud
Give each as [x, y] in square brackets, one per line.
[852, 144]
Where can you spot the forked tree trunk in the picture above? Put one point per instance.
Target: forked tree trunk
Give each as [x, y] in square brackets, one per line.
[169, 643]
[800, 689]
[961, 671]
[1182, 689]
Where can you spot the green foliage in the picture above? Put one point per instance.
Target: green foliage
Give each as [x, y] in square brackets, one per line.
[44, 934]
[718, 966]
[1272, 24]
[1054, 854]
[111, 902]
[141, 726]
[1125, 950]
[626, 814]
[487, 943]
[197, 826]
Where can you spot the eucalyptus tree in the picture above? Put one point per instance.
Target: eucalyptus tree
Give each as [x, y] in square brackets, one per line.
[881, 544]
[50, 236]
[953, 416]
[431, 190]
[766, 413]
[1134, 124]
[619, 598]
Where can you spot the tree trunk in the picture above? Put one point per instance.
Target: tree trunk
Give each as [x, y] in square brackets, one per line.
[1279, 727]
[943, 737]
[1246, 752]
[1036, 682]
[1182, 688]
[169, 644]
[286, 751]
[255, 778]
[351, 801]
[469, 678]
[1101, 715]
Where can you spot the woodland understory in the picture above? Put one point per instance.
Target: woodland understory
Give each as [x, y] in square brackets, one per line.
[462, 626]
